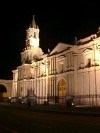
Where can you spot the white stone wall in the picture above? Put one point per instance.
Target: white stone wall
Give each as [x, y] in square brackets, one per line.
[78, 65]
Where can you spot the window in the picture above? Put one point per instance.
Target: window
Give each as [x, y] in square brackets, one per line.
[34, 34]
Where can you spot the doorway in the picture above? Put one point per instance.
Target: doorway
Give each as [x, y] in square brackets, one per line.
[62, 91]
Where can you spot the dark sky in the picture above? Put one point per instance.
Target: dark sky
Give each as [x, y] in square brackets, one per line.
[58, 22]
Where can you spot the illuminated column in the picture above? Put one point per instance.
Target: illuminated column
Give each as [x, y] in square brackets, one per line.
[24, 88]
[53, 65]
[50, 66]
[32, 84]
[66, 62]
[75, 73]
[66, 78]
[33, 87]
[46, 81]
[54, 86]
[95, 62]
[89, 87]
[43, 88]
[82, 59]
[69, 84]
[37, 87]
[49, 70]
[39, 69]
[50, 87]
[69, 61]
[69, 80]
[38, 92]
[45, 94]
[40, 88]
[54, 76]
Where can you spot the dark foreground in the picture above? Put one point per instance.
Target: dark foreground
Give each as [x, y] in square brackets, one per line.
[20, 119]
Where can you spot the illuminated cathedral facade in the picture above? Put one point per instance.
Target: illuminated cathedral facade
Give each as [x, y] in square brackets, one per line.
[67, 74]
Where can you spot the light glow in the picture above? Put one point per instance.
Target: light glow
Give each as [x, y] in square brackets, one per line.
[33, 42]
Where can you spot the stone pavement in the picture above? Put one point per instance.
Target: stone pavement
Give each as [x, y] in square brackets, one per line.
[94, 111]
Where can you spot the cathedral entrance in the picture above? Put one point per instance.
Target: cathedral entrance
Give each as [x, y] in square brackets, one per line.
[3, 94]
[62, 91]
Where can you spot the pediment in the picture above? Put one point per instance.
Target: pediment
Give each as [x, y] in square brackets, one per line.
[60, 47]
[87, 50]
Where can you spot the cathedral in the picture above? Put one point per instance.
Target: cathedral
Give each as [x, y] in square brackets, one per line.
[69, 74]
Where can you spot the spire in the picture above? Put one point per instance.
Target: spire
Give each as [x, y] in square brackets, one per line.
[33, 22]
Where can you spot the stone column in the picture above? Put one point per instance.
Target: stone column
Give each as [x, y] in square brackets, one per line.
[50, 65]
[75, 73]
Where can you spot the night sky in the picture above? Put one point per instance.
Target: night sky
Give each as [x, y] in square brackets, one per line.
[58, 22]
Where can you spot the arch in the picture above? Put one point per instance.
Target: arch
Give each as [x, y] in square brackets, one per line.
[3, 93]
[3, 88]
[6, 89]
[62, 90]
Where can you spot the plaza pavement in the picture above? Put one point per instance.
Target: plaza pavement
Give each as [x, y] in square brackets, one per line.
[94, 111]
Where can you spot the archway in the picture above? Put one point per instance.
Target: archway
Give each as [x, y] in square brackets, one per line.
[62, 91]
[3, 93]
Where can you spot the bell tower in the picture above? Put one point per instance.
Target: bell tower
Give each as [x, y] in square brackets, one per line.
[32, 51]
[32, 35]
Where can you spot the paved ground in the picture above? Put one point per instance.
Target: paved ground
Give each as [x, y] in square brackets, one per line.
[57, 108]
[19, 118]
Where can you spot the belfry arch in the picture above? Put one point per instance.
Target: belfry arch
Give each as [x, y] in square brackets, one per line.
[62, 90]
[5, 89]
